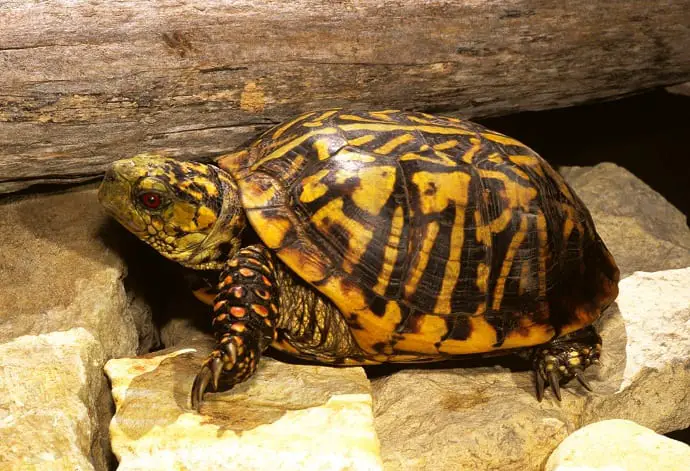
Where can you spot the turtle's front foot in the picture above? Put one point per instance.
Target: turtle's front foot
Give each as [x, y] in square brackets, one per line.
[245, 314]
[565, 358]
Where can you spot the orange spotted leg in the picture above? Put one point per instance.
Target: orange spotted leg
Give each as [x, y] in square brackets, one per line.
[245, 316]
[565, 358]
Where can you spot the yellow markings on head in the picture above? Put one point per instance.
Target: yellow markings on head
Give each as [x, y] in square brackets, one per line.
[375, 187]
[468, 156]
[390, 253]
[183, 216]
[272, 230]
[205, 217]
[501, 139]
[358, 235]
[482, 339]
[391, 145]
[279, 131]
[312, 188]
[437, 190]
[516, 241]
[383, 127]
[361, 140]
[422, 258]
[157, 223]
[206, 184]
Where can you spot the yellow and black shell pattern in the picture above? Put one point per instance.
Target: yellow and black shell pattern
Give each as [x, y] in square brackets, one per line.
[433, 236]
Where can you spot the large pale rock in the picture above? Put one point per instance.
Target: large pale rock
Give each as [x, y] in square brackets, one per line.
[286, 417]
[643, 231]
[62, 298]
[488, 418]
[618, 445]
[50, 388]
[59, 272]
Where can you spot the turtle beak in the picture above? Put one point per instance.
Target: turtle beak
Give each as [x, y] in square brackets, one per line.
[115, 195]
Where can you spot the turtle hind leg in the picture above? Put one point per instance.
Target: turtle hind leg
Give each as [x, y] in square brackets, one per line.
[565, 358]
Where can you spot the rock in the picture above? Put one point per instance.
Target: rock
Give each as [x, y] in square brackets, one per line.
[643, 231]
[50, 389]
[488, 418]
[680, 89]
[63, 312]
[286, 417]
[58, 272]
[618, 444]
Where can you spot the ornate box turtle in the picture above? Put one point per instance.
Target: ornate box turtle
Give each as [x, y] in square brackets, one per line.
[386, 236]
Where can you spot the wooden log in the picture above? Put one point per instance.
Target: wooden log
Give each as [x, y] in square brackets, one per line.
[85, 83]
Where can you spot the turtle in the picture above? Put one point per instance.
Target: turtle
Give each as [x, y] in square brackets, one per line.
[379, 237]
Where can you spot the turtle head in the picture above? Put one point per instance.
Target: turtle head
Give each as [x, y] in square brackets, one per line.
[187, 211]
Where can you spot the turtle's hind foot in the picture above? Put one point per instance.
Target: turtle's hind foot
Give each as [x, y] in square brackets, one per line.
[565, 358]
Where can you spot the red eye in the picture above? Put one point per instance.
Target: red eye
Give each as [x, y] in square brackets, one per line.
[150, 200]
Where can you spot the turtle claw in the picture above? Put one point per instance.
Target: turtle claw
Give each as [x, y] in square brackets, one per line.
[579, 375]
[540, 387]
[208, 374]
[200, 384]
[554, 382]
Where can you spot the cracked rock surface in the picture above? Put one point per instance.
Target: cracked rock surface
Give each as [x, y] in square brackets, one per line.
[63, 312]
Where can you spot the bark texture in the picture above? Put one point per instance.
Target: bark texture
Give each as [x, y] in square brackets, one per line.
[85, 83]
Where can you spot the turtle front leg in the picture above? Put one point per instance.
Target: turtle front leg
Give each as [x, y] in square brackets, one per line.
[565, 358]
[245, 316]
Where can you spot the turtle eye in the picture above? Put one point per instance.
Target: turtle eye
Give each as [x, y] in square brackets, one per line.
[150, 200]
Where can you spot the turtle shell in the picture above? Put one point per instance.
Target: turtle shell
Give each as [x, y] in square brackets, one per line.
[433, 236]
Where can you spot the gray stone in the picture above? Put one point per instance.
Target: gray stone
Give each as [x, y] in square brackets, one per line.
[285, 417]
[643, 231]
[618, 445]
[50, 388]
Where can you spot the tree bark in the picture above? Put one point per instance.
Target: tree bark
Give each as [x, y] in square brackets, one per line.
[85, 83]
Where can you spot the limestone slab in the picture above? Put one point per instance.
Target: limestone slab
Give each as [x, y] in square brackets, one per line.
[286, 417]
[50, 388]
